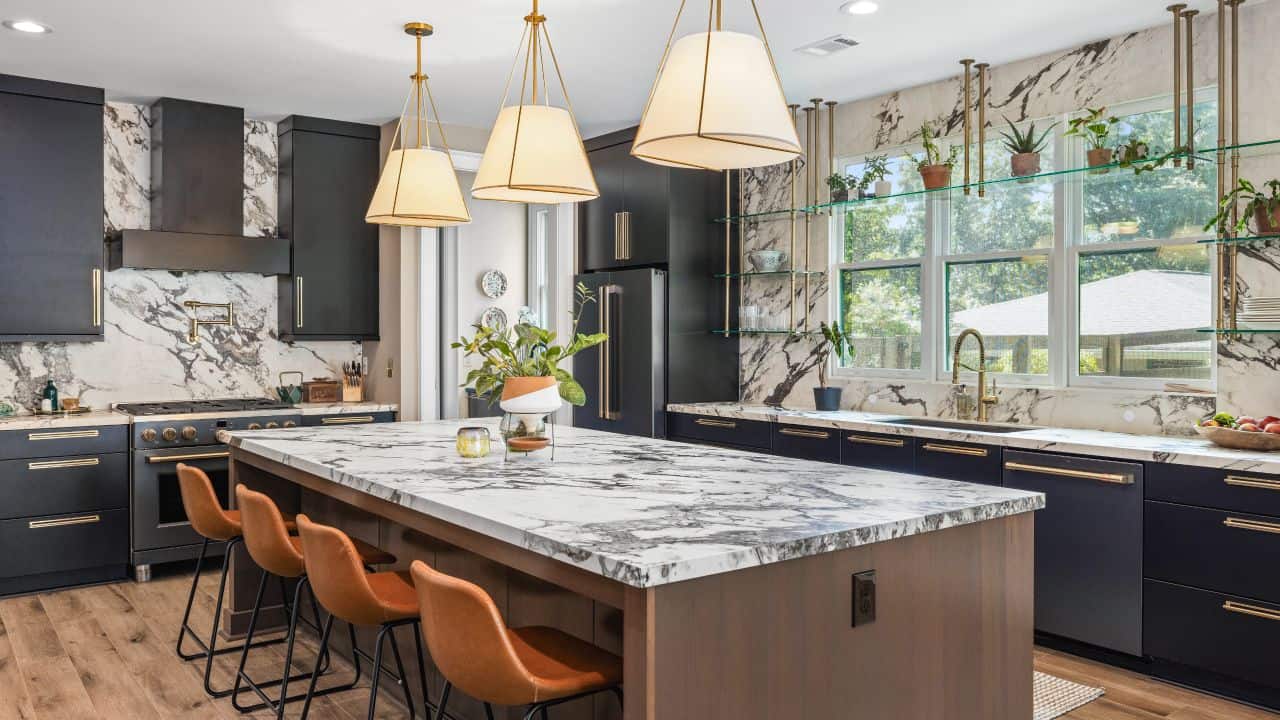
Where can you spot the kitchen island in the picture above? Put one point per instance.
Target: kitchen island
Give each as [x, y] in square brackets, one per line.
[724, 578]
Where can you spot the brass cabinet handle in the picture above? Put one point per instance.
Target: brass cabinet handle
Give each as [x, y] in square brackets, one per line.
[158, 459]
[617, 236]
[62, 435]
[626, 235]
[59, 464]
[887, 442]
[815, 434]
[1115, 478]
[1258, 483]
[955, 449]
[97, 297]
[708, 422]
[63, 522]
[347, 420]
[298, 285]
[602, 351]
[607, 376]
[1253, 610]
[1254, 525]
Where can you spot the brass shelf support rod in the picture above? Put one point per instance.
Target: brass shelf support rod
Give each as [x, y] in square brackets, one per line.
[968, 120]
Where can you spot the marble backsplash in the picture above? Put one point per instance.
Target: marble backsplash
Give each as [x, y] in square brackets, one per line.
[782, 370]
[145, 355]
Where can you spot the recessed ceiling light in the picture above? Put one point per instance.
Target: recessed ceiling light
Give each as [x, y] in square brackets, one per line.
[860, 7]
[28, 26]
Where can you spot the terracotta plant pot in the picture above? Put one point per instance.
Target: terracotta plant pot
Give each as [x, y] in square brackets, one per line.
[935, 176]
[1024, 164]
[530, 395]
[826, 399]
[1268, 223]
[1099, 156]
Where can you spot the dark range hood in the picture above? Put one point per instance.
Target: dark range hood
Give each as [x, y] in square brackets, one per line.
[197, 197]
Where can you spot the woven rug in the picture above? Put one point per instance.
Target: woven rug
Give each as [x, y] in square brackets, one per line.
[1055, 697]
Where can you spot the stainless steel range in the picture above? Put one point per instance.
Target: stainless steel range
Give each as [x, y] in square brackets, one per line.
[167, 433]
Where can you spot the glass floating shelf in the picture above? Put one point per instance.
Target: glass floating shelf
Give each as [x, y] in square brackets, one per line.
[737, 331]
[1239, 240]
[771, 273]
[1110, 173]
[1240, 331]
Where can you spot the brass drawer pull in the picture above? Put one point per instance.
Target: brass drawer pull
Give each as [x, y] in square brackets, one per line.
[97, 297]
[1115, 478]
[62, 435]
[1254, 525]
[814, 434]
[1253, 610]
[347, 420]
[708, 422]
[887, 442]
[63, 522]
[191, 456]
[955, 449]
[59, 464]
[299, 287]
[1259, 483]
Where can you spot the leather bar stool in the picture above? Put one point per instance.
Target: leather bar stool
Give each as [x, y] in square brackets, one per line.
[267, 539]
[385, 600]
[214, 525]
[477, 653]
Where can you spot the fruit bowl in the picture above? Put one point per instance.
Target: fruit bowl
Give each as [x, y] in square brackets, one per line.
[1240, 439]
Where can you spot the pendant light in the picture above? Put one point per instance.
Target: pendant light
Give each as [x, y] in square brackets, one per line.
[535, 153]
[418, 187]
[717, 103]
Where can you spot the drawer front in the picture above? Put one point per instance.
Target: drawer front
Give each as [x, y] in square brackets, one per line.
[58, 442]
[968, 462]
[883, 452]
[1220, 633]
[753, 434]
[51, 486]
[1210, 487]
[807, 443]
[1218, 550]
[348, 419]
[58, 543]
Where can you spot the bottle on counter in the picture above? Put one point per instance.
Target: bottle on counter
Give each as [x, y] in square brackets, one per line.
[49, 398]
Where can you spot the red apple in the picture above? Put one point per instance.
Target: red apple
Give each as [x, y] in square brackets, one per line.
[1268, 420]
[1249, 420]
[1250, 427]
[1273, 428]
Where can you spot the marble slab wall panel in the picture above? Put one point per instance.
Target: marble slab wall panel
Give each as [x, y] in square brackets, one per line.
[146, 355]
[783, 370]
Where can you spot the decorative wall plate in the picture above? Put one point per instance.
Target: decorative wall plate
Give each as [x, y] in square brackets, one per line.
[494, 319]
[494, 284]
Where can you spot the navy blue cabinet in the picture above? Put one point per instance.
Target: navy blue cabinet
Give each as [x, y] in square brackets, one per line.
[338, 419]
[725, 432]
[875, 450]
[967, 462]
[807, 443]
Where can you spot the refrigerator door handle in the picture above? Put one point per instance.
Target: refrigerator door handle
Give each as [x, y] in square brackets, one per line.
[602, 350]
[607, 375]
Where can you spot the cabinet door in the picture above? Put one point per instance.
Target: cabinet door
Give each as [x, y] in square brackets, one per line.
[883, 452]
[968, 462]
[807, 443]
[51, 237]
[326, 181]
[598, 237]
[646, 224]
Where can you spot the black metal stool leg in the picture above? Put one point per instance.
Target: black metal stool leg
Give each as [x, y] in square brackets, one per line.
[422, 670]
[315, 674]
[248, 640]
[377, 670]
[488, 711]
[217, 619]
[444, 700]
[185, 629]
[404, 677]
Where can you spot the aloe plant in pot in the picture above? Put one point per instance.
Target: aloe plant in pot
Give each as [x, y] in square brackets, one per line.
[933, 166]
[831, 341]
[1025, 147]
[1095, 130]
[1261, 206]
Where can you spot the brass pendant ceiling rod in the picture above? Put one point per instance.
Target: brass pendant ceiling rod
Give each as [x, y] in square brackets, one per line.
[1191, 88]
[1223, 258]
[1235, 149]
[968, 120]
[982, 128]
[1177, 9]
[831, 138]
[795, 172]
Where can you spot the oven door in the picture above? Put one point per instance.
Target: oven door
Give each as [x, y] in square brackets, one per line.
[159, 520]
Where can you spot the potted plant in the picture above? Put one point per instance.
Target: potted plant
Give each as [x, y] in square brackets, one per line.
[839, 186]
[521, 366]
[1134, 151]
[1263, 207]
[876, 168]
[832, 340]
[1095, 130]
[1025, 148]
[934, 169]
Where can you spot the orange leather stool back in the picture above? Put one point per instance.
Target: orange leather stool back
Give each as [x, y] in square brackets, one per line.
[201, 503]
[337, 577]
[266, 536]
[468, 640]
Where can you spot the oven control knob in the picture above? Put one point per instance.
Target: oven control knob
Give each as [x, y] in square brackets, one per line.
[149, 435]
[169, 434]
[255, 426]
[272, 425]
[290, 423]
[188, 433]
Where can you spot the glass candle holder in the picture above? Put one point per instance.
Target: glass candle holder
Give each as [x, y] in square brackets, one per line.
[473, 442]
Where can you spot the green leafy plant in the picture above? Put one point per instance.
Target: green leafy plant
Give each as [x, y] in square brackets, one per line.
[837, 182]
[528, 351]
[1093, 128]
[875, 168]
[1267, 200]
[831, 339]
[932, 153]
[1018, 142]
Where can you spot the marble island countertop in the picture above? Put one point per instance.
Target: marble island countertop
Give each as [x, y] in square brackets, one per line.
[1150, 448]
[641, 511]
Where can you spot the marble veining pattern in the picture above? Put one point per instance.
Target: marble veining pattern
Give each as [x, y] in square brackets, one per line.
[643, 512]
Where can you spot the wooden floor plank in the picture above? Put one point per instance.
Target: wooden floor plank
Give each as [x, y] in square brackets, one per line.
[53, 686]
[16, 704]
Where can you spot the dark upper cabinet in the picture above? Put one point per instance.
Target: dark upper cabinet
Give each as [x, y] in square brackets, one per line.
[328, 171]
[51, 233]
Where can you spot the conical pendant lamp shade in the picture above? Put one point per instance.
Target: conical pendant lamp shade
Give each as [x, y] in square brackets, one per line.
[418, 188]
[717, 105]
[534, 155]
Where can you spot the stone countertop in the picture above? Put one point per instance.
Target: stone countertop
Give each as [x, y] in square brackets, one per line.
[93, 418]
[641, 511]
[346, 408]
[1150, 448]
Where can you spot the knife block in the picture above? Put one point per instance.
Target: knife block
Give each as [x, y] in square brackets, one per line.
[353, 391]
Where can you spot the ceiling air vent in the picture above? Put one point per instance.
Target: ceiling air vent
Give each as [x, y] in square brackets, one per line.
[828, 46]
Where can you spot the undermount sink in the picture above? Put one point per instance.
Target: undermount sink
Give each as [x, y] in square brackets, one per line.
[963, 425]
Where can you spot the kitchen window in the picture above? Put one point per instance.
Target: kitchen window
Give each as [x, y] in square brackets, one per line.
[1079, 279]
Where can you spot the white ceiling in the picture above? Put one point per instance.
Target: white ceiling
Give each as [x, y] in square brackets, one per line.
[350, 60]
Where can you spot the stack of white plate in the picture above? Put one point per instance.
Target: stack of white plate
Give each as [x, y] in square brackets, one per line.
[1260, 313]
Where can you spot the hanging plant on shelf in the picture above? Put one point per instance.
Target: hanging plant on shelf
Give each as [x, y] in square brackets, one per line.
[1095, 130]
[1261, 206]
[933, 166]
[1025, 148]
